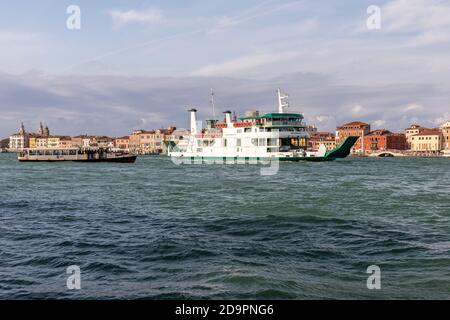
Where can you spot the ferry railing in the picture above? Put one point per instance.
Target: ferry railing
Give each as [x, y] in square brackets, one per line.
[285, 123]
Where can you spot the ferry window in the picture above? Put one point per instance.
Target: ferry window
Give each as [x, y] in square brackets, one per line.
[238, 142]
[262, 142]
[255, 142]
[224, 142]
[247, 129]
[239, 130]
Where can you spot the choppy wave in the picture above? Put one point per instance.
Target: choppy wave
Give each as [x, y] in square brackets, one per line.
[160, 231]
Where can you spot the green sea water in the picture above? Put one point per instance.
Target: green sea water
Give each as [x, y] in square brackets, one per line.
[154, 229]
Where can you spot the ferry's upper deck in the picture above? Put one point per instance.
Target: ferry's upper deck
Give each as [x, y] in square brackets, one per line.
[276, 120]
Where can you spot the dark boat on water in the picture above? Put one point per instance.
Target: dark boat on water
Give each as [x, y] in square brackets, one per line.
[76, 154]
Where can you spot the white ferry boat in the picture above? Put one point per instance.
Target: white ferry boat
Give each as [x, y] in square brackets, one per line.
[252, 139]
[75, 154]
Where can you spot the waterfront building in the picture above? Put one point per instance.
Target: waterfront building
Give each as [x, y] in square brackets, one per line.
[134, 143]
[122, 143]
[411, 131]
[4, 144]
[103, 142]
[41, 142]
[53, 142]
[152, 142]
[445, 129]
[39, 139]
[149, 142]
[32, 140]
[382, 139]
[79, 141]
[65, 142]
[23, 139]
[326, 138]
[355, 129]
[19, 141]
[44, 132]
[427, 141]
[87, 141]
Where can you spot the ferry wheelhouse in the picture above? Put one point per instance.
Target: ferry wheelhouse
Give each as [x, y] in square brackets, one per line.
[255, 137]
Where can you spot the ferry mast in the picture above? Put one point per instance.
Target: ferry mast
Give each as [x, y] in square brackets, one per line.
[213, 104]
[282, 101]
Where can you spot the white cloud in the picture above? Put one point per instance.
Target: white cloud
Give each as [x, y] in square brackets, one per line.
[17, 37]
[149, 15]
[21, 47]
[429, 38]
[379, 123]
[324, 118]
[424, 18]
[232, 67]
[357, 109]
[416, 15]
[412, 107]
[114, 105]
[441, 120]
[153, 118]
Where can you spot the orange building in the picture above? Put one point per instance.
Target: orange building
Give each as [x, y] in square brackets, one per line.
[382, 139]
[356, 129]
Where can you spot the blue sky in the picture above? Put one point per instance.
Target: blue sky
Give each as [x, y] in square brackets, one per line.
[139, 64]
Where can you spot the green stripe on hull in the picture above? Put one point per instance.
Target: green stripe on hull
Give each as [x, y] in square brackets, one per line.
[248, 160]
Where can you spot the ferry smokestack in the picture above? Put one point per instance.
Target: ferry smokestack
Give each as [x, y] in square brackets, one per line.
[228, 119]
[193, 121]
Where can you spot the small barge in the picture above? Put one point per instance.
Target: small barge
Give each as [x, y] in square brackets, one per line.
[75, 154]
